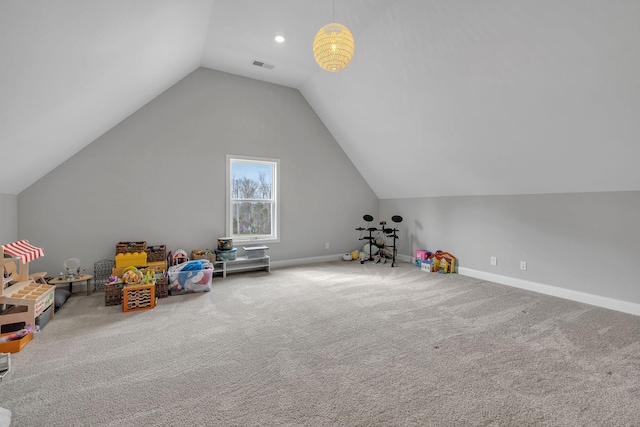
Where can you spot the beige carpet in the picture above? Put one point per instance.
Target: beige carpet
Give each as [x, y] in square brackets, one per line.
[335, 344]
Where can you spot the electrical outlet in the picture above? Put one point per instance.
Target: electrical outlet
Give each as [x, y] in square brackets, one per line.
[523, 265]
[494, 260]
[326, 245]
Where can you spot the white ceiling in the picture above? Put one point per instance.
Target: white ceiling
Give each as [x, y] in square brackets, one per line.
[443, 97]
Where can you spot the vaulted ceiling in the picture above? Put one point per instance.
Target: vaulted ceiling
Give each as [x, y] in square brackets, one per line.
[443, 97]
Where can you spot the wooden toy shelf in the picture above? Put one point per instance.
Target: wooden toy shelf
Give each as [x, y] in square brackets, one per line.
[23, 298]
[29, 300]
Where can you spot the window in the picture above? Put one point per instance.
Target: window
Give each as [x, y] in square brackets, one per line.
[252, 199]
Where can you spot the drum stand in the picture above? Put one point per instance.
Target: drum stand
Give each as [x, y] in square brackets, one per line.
[398, 219]
[394, 236]
[367, 218]
[390, 232]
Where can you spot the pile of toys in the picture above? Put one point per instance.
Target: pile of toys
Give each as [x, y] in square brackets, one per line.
[435, 262]
[375, 252]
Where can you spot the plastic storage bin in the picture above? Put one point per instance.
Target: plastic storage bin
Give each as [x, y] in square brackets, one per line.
[230, 255]
[187, 277]
[255, 251]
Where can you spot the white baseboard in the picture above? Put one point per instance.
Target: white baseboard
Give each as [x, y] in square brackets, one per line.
[405, 258]
[583, 297]
[599, 301]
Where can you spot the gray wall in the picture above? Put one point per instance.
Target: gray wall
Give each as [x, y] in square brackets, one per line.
[588, 242]
[159, 176]
[8, 218]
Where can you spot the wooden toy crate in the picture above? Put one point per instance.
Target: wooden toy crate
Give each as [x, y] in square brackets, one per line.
[112, 294]
[162, 287]
[138, 297]
[30, 300]
[128, 247]
[156, 253]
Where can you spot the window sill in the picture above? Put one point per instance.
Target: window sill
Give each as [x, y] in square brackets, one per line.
[237, 241]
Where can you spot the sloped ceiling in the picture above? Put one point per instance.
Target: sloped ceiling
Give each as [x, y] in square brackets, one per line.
[443, 97]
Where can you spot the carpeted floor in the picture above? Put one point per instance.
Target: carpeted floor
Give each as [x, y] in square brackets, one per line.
[334, 344]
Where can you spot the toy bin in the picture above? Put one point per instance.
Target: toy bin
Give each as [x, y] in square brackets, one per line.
[15, 345]
[225, 243]
[43, 319]
[128, 247]
[162, 286]
[156, 253]
[112, 294]
[253, 252]
[190, 277]
[229, 255]
[207, 254]
[131, 259]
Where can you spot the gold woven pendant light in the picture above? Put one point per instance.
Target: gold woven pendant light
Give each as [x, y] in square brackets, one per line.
[333, 47]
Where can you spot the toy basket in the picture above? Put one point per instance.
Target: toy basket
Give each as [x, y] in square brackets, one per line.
[127, 247]
[162, 287]
[112, 294]
[156, 253]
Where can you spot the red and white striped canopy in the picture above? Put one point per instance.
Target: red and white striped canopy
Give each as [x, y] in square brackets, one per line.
[23, 250]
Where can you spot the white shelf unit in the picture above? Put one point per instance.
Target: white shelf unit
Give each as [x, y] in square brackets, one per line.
[242, 263]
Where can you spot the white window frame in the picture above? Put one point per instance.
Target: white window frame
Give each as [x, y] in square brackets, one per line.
[275, 189]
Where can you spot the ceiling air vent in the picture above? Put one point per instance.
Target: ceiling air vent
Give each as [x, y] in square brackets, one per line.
[263, 65]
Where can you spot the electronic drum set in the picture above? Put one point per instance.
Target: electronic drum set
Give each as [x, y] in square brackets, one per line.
[391, 233]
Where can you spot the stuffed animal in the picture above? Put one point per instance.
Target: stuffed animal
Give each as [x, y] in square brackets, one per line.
[132, 275]
[374, 249]
[386, 253]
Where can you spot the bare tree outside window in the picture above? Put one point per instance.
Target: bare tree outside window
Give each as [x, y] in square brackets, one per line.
[252, 198]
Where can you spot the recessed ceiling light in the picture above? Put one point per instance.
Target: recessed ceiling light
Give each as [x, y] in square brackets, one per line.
[279, 38]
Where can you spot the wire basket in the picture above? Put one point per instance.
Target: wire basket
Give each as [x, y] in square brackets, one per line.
[101, 273]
